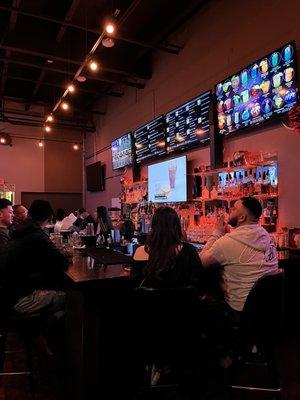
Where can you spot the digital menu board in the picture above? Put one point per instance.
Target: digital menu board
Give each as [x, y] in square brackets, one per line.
[264, 90]
[188, 124]
[149, 140]
[121, 151]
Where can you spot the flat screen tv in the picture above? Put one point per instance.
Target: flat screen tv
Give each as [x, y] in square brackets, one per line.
[262, 91]
[149, 140]
[167, 181]
[95, 177]
[188, 124]
[121, 151]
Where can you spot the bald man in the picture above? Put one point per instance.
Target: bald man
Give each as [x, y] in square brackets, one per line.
[244, 255]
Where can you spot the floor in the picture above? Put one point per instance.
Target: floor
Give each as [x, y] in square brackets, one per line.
[50, 379]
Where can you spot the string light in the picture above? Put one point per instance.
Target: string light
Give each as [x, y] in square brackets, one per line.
[65, 106]
[47, 128]
[50, 118]
[93, 66]
[71, 88]
[110, 28]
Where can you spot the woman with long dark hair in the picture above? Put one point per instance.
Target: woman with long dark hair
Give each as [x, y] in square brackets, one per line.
[166, 260]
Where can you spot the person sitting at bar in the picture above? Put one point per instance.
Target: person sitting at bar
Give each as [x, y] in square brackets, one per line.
[59, 216]
[6, 219]
[32, 267]
[166, 260]
[245, 254]
[20, 215]
[83, 218]
[104, 224]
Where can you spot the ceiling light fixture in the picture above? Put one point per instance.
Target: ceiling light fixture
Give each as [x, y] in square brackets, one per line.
[108, 42]
[81, 78]
[41, 144]
[110, 28]
[71, 88]
[47, 128]
[65, 106]
[75, 147]
[50, 118]
[2, 140]
[93, 65]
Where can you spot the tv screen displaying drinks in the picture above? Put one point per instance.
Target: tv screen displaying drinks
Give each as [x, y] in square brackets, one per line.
[264, 90]
[167, 181]
[149, 140]
[188, 124]
[121, 151]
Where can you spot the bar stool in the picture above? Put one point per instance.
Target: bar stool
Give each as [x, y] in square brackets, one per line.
[259, 332]
[167, 331]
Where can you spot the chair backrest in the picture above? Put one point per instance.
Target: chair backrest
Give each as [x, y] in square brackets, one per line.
[262, 315]
[167, 320]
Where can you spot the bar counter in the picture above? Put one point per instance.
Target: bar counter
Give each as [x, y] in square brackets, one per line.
[95, 319]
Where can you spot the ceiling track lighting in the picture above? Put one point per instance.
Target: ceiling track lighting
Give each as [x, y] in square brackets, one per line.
[41, 144]
[65, 106]
[71, 88]
[50, 118]
[47, 128]
[75, 146]
[93, 66]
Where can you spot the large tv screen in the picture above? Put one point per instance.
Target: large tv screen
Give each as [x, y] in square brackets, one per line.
[188, 124]
[167, 181]
[149, 140]
[262, 91]
[121, 151]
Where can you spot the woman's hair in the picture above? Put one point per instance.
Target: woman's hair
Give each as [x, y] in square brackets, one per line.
[60, 214]
[102, 213]
[163, 240]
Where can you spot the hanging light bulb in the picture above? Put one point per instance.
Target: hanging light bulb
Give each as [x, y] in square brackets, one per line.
[93, 65]
[71, 88]
[50, 118]
[110, 28]
[65, 106]
[75, 147]
[41, 144]
[47, 128]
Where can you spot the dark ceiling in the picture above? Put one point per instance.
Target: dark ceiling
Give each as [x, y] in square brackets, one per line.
[64, 31]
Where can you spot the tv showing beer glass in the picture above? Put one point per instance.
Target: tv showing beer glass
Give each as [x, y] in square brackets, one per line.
[167, 181]
[264, 90]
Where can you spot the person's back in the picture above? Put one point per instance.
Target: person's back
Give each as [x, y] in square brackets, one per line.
[245, 254]
[186, 270]
[31, 262]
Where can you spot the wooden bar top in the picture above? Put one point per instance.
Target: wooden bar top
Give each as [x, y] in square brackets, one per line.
[85, 269]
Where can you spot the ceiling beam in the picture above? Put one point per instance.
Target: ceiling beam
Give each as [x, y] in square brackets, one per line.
[46, 83]
[59, 37]
[169, 48]
[63, 72]
[63, 60]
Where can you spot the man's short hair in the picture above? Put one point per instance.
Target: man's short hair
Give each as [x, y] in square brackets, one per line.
[40, 210]
[253, 206]
[81, 210]
[4, 203]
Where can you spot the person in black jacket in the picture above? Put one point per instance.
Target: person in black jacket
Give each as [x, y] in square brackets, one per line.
[32, 266]
[166, 260]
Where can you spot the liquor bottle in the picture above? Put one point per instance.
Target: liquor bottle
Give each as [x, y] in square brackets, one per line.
[213, 192]
[205, 191]
[220, 187]
[257, 182]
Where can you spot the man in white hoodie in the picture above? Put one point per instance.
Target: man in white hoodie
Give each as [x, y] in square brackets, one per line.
[245, 254]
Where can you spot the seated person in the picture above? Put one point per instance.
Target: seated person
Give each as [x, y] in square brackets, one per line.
[20, 215]
[32, 266]
[104, 224]
[83, 218]
[59, 216]
[166, 260]
[244, 255]
[6, 219]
